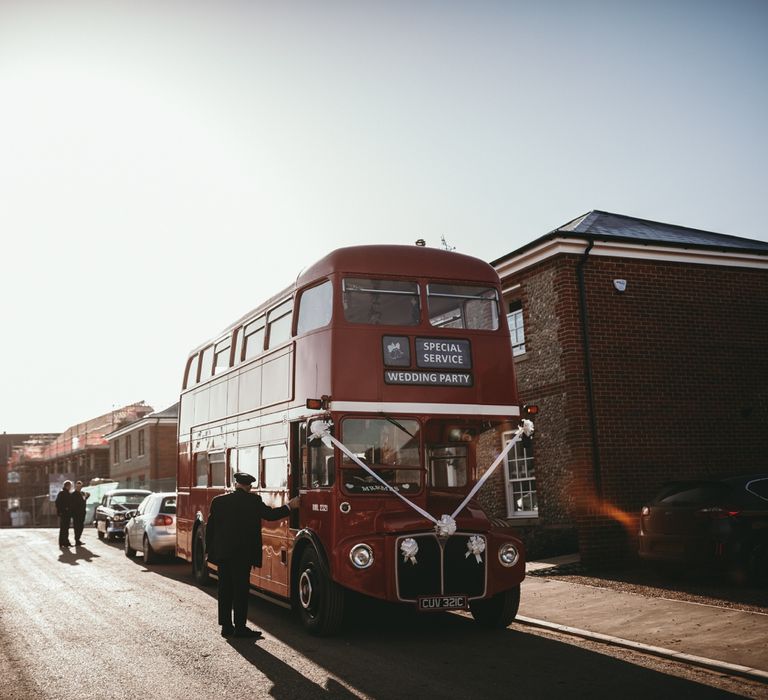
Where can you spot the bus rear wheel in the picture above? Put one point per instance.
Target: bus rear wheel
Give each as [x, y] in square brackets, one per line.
[497, 612]
[321, 601]
[199, 565]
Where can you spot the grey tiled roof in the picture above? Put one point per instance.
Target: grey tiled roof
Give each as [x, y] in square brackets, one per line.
[605, 226]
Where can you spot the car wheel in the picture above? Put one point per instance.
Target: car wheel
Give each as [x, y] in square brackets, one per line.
[129, 551]
[150, 555]
[107, 534]
[199, 564]
[321, 601]
[99, 533]
[498, 611]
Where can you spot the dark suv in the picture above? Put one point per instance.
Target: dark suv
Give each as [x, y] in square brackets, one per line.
[720, 523]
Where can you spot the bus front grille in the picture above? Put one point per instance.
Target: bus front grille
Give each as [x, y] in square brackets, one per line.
[441, 567]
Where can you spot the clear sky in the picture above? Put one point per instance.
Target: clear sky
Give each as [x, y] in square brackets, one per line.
[165, 166]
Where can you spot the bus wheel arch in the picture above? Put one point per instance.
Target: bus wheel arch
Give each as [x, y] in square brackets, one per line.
[318, 599]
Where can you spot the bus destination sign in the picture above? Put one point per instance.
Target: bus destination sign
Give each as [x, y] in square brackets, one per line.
[443, 353]
[427, 377]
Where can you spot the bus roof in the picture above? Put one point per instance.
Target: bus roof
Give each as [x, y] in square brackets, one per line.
[411, 261]
[372, 260]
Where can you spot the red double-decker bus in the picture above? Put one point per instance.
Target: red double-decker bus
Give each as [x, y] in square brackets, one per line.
[369, 387]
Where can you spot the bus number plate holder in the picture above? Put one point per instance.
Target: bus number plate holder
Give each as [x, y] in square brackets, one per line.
[433, 603]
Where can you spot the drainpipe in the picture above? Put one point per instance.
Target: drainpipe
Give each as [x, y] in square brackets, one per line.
[596, 468]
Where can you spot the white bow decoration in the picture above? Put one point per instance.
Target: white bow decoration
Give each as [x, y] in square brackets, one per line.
[446, 526]
[409, 548]
[476, 546]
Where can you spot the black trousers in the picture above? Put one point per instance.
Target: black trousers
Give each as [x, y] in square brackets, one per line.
[64, 529]
[233, 591]
[78, 520]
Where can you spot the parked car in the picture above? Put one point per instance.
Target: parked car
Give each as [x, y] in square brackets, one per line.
[152, 529]
[719, 523]
[114, 510]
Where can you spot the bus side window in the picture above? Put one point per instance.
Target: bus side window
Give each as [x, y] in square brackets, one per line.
[206, 363]
[190, 376]
[218, 468]
[253, 339]
[246, 459]
[221, 356]
[279, 324]
[315, 307]
[201, 469]
[275, 460]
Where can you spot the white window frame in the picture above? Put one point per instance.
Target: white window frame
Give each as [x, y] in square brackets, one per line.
[518, 457]
[516, 330]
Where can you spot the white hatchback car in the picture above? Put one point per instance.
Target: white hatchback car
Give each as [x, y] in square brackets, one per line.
[153, 528]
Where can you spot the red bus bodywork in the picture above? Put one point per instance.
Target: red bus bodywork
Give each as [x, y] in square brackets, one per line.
[435, 385]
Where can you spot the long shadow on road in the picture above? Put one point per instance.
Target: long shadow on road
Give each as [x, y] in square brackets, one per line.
[386, 651]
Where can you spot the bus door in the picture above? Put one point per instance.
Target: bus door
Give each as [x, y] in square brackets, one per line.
[274, 572]
[316, 474]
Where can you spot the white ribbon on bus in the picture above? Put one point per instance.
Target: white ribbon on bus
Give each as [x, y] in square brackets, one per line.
[446, 525]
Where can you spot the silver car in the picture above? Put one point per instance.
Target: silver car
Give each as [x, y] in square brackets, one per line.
[153, 528]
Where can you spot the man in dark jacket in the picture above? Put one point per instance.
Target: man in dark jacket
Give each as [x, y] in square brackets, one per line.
[64, 511]
[233, 543]
[79, 497]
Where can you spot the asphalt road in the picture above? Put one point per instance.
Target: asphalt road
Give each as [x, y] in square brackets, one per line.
[89, 623]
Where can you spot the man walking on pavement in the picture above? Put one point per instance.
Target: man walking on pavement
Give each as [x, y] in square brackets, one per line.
[79, 497]
[233, 543]
[64, 511]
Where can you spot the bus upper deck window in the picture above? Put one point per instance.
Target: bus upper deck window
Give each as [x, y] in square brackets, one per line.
[253, 339]
[463, 306]
[206, 363]
[190, 378]
[279, 324]
[221, 356]
[384, 302]
[315, 307]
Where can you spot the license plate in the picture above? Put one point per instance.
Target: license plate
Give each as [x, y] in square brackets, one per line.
[442, 602]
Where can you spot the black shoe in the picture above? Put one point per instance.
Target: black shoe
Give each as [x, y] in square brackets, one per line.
[246, 632]
[65, 544]
[79, 543]
[227, 630]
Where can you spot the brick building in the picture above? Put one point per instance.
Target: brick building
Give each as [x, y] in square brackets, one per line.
[80, 452]
[143, 453]
[644, 345]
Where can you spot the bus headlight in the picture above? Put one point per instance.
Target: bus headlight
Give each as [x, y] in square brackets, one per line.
[361, 556]
[508, 554]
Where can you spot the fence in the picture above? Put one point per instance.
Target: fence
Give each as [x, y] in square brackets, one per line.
[40, 511]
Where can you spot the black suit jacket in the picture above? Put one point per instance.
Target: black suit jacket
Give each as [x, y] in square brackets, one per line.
[64, 502]
[233, 531]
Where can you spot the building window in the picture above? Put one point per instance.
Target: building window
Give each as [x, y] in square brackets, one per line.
[521, 480]
[127, 447]
[516, 329]
[140, 448]
[116, 451]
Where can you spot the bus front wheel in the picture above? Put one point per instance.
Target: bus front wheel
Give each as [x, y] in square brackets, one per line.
[497, 612]
[199, 565]
[321, 601]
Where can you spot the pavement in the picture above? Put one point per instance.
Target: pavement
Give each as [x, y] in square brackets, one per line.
[731, 641]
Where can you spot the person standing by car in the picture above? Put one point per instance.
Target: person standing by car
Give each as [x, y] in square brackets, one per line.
[233, 543]
[64, 511]
[79, 497]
